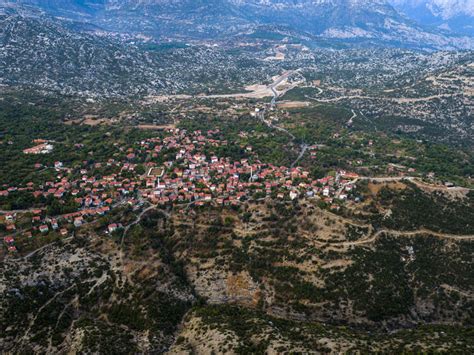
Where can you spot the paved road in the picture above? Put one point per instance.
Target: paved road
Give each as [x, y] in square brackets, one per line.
[273, 86]
[304, 148]
[351, 120]
[257, 93]
[386, 178]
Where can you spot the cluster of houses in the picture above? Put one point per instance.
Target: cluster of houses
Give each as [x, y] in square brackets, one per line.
[92, 197]
[10, 243]
[42, 147]
[9, 240]
[192, 173]
[39, 224]
[193, 176]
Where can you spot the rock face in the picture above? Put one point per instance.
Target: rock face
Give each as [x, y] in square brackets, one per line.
[366, 20]
[355, 20]
[218, 287]
[319, 16]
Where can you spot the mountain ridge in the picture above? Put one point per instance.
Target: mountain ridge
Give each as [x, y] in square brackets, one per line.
[455, 15]
[376, 20]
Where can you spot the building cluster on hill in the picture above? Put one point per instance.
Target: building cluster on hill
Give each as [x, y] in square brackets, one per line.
[190, 173]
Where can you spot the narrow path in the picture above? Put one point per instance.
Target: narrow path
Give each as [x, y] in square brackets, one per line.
[29, 255]
[409, 234]
[415, 179]
[366, 240]
[127, 228]
[457, 290]
[391, 99]
[386, 178]
[33, 320]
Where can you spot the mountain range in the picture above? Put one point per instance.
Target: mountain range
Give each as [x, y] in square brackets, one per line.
[47, 54]
[455, 15]
[347, 20]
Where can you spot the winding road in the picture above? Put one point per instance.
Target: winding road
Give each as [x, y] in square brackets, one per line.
[407, 234]
[351, 120]
[304, 146]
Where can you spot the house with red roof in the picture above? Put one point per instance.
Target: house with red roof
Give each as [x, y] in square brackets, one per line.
[9, 240]
[44, 228]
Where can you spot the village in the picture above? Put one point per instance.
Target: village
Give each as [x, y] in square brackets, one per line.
[191, 174]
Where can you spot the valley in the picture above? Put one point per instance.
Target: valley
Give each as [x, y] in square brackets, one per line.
[179, 220]
[235, 177]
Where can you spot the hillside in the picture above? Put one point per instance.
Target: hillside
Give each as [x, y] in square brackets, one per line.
[44, 54]
[100, 255]
[299, 273]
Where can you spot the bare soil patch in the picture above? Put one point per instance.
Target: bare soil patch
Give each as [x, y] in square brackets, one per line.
[293, 104]
[156, 127]
[375, 188]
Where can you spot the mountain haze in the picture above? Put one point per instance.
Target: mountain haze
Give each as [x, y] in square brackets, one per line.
[456, 15]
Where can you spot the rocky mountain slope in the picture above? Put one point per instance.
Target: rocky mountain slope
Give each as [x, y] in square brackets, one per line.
[350, 20]
[457, 15]
[46, 54]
